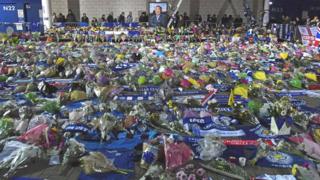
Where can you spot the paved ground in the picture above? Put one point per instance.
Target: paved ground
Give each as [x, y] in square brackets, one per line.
[40, 169]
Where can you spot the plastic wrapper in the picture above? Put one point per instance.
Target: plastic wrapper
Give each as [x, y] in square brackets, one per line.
[307, 173]
[105, 124]
[89, 90]
[15, 154]
[96, 162]
[149, 155]
[211, 148]
[54, 158]
[25, 112]
[73, 152]
[305, 143]
[43, 118]
[315, 118]
[154, 171]
[176, 154]
[40, 135]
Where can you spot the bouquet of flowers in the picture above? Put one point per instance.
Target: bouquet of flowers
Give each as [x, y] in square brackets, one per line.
[96, 162]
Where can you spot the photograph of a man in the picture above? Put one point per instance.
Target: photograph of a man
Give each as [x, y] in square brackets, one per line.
[158, 18]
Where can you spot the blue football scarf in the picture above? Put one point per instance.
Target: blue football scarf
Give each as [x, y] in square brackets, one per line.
[178, 93]
[91, 65]
[111, 144]
[48, 80]
[275, 177]
[148, 89]
[306, 108]
[279, 121]
[259, 131]
[193, 143]
[249, 132]
[140, 97]
[209, 122]
[220, 133]
[220, 98]
[3, 101]
[290, 93]
[282, 160]
[224, 109]
[82, 128]
[123, 66]
[79, 104]
[121, 142]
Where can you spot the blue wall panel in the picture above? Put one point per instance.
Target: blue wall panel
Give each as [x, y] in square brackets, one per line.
[32, 20]
[8, 12]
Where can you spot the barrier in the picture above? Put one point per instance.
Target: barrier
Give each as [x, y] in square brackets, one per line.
[17, 27]
[105, 24]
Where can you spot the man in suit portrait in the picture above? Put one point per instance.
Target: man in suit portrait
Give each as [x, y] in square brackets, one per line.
[158, 19]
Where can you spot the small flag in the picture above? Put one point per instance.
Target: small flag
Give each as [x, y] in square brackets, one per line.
[231, 98]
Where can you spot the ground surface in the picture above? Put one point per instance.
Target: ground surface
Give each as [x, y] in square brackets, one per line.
[41, 169]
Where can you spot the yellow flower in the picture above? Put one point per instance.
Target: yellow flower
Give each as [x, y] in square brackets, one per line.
[60, 61]
[260, 75]
[311, 76]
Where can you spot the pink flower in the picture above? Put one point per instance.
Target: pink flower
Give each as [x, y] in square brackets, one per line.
[181, 175]
[167, 73]
[200, 172]
[185, 83]
[192, 177]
